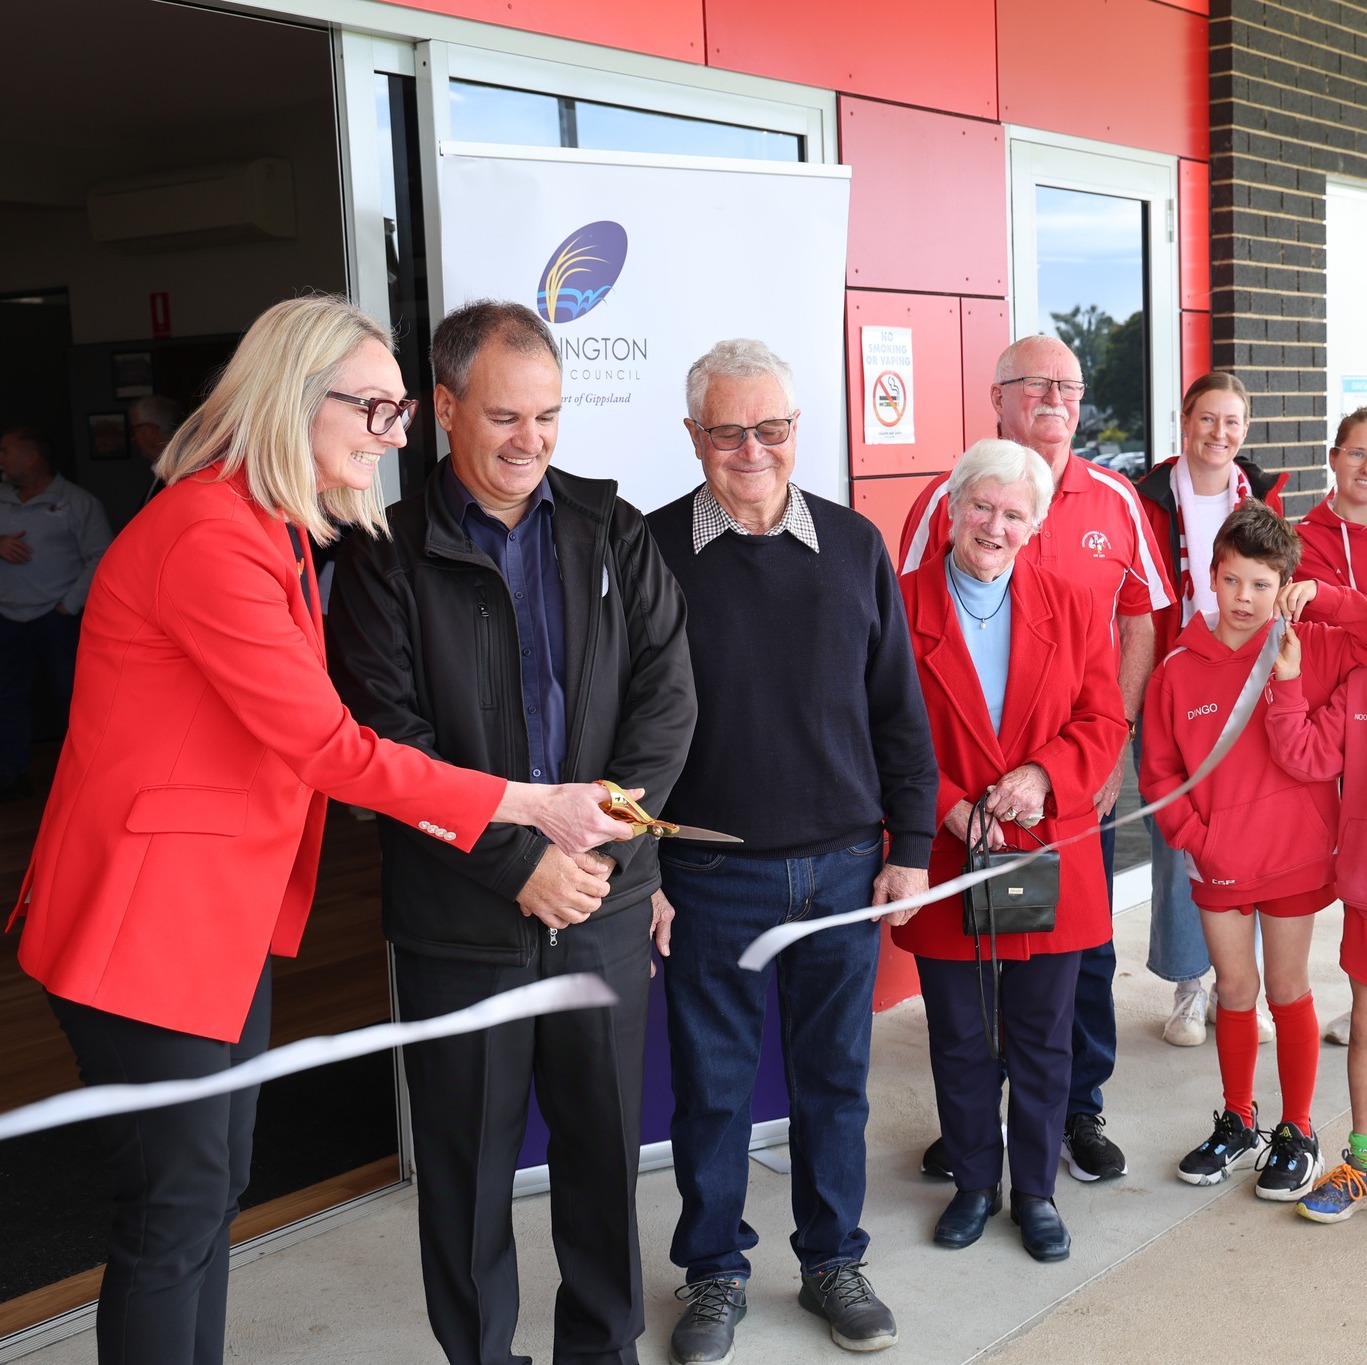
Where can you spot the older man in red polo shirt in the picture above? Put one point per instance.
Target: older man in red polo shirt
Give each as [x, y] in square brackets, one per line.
[1096, 535]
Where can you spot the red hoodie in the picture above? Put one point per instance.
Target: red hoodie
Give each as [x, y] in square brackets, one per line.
[1250, 830]
[1334, 550]
[1320, 747]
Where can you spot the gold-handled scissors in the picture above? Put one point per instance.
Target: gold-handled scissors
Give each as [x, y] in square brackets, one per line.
[621, 807]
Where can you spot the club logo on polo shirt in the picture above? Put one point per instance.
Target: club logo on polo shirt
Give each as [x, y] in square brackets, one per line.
[1098, 542]
[581, 271]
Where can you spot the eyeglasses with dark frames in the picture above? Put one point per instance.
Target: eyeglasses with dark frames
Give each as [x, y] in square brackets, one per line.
[1037, 386]
[773, 431]
[380, 413]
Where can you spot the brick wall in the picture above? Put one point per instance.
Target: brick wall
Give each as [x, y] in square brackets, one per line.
[1288, 100]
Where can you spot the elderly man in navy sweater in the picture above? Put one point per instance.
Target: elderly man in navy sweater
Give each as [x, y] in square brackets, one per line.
[811, 742]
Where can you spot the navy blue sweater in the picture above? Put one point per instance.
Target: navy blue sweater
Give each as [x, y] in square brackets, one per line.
[811, 727]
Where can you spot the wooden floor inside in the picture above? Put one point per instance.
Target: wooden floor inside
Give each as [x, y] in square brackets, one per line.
[338, 982]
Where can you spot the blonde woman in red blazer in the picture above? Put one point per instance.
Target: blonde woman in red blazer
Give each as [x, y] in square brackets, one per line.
[179, 846]
[1019, 680]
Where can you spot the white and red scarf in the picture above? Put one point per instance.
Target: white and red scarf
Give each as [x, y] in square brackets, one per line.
[1239, 489]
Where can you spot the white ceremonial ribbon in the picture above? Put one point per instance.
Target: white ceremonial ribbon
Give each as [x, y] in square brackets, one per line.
[580, 990]
[773, 941]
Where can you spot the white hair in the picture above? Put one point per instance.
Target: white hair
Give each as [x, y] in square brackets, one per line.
[739, 358]
[1001, 462]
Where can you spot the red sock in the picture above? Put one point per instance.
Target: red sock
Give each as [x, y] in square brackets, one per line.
[1236, 1040]
[1298, 1057]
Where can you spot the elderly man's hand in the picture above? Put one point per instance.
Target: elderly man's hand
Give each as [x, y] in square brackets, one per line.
[661, 917]
[561, 890]
[895, 883]
[1019, 792]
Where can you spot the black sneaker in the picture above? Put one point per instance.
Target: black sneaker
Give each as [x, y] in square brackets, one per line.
[1233, 1143]
[1090, 1154]
[1290, 1166]
[705, 1335]
[859, 1319]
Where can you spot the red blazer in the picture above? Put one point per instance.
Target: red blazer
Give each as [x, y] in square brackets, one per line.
[180, 840]
[1062, 710]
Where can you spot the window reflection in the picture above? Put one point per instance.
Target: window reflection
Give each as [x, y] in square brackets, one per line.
[1093, 285]
[486, 113]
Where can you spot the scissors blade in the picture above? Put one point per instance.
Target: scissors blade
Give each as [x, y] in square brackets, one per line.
[709, 835]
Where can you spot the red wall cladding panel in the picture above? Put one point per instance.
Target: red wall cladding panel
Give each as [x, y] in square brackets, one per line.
[936, 381]
[1193, 217]
[937, 56]
[1195, 347]
[664, 28]
[897, 979]
[986, 334]
[927, 201]
[1162, 102]
[886, 503]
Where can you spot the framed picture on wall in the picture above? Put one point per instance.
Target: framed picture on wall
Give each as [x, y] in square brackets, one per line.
[133, 374]
[108, 436]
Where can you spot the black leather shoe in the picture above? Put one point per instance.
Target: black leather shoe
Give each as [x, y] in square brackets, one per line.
[935, 1161]
[963, 1221]
[1042, 1232]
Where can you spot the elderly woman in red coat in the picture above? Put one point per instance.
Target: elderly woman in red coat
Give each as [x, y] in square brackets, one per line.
[1019, 679]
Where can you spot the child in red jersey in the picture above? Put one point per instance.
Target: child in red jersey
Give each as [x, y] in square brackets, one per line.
[1255, 838]
[1313, 748]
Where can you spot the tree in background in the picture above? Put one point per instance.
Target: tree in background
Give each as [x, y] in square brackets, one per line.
[1086, 332]
[1119, 384]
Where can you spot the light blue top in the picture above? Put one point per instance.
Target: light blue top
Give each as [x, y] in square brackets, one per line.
[984, 612]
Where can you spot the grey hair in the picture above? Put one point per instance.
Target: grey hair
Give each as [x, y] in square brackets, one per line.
[1002, 462]
[163, 413]
[739, 358]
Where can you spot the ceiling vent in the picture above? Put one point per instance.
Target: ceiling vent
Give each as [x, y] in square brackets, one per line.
[252, 201]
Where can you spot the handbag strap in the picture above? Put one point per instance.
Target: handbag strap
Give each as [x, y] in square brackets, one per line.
[978, 850]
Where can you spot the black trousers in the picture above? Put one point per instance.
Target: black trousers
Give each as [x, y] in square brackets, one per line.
[1036, 1036]
[468, 1097]
[177, 1172]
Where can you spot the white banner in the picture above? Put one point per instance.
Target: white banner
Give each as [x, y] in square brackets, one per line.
[640, 264]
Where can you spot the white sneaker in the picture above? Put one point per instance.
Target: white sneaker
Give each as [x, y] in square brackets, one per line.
[1267, 1030]
[1336, 1031]
[1186, 1026]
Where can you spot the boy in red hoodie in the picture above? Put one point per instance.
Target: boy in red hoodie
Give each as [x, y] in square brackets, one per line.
[1315, 748]
[1254, 837]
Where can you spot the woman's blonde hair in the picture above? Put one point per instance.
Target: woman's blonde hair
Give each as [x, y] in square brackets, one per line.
[259, 415]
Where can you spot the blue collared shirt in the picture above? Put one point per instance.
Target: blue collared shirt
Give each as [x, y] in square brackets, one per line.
[525, 557]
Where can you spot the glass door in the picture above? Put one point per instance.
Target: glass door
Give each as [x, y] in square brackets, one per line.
[1094, 262]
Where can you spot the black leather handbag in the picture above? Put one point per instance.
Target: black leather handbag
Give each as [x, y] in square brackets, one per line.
[1023, 901]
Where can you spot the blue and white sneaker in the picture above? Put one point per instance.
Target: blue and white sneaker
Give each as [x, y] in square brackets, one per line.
[1337, 1196]
[1292, 1165]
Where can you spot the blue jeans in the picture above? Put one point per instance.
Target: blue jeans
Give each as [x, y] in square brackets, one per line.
[716, 1016]
[1094, 1010]
[1177, 947]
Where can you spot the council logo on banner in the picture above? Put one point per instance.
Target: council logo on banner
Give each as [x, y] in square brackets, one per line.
[581, 271]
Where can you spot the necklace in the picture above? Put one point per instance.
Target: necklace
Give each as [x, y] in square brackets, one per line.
[981, 620]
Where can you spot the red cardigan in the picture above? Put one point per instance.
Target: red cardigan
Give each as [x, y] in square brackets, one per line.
[1062, 710]
[180, 841]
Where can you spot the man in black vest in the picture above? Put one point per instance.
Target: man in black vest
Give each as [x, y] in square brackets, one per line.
[812, 742]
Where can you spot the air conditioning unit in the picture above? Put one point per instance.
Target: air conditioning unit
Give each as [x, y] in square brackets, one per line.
[252, 201]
